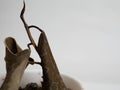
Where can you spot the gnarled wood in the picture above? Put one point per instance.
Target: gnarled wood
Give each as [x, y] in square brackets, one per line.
[16, 61]
[51, 77]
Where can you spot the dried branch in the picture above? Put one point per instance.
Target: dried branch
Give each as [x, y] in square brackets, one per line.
[51, 77]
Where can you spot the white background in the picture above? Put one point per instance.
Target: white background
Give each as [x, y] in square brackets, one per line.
[84, 35]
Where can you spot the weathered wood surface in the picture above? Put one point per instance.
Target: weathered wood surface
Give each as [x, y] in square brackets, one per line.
[51, 77]
[16, 61]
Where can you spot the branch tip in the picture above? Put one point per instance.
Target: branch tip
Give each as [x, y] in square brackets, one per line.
[23, 10]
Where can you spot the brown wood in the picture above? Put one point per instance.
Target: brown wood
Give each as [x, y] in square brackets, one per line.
[51, 77]
[16, 61]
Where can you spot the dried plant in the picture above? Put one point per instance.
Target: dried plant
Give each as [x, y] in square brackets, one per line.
[51, 77]
[17, 60]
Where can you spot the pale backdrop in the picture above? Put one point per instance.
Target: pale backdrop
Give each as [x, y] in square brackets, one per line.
[84, 35]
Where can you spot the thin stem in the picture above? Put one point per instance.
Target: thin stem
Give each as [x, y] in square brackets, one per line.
[26, 26]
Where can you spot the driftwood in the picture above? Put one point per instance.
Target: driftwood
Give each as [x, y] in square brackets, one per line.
[51, 77]
[16, 61]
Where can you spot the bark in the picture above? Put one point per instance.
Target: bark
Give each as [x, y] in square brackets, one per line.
[51, 76]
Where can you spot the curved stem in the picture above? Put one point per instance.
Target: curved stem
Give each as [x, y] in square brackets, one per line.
[26, 26]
